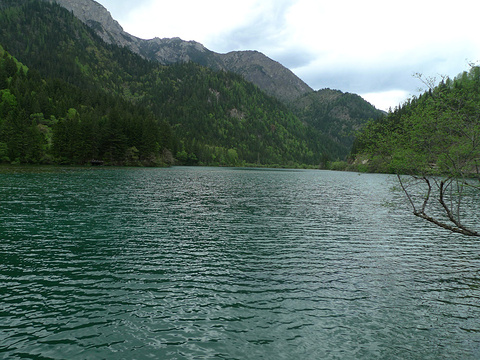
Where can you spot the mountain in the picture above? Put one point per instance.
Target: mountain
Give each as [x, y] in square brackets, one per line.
[267, 74]
[334, 113]
[97, 17]
[76, 98]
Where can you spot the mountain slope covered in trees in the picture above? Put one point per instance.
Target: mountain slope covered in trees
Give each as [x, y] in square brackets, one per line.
[335, 115]
[50, 120]
[85, 99]
[436, 133]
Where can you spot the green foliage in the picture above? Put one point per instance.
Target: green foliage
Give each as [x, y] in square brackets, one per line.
[4, 152]
[337, 116]
[435, 134]
[338, 165]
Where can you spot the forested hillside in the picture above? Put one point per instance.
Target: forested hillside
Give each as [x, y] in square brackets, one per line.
[336, 114]
[52, 121]
[86, 100]
[436, 133]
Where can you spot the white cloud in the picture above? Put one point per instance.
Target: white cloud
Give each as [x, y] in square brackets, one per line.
[187, 19]
[385, 100]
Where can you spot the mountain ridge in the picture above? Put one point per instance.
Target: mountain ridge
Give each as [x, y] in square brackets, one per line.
[334, 117]
[269, 75]
[329, 114]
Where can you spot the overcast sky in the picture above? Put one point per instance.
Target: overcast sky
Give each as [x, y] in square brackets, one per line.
[369, 47]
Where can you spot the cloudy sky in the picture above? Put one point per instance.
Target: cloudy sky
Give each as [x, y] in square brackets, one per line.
[369, 47]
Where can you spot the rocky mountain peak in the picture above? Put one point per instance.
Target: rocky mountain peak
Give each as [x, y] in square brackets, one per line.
[89, 10]
[269, 75]
[99, 18]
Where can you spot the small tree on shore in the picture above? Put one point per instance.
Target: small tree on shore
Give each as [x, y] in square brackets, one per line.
[432, 143]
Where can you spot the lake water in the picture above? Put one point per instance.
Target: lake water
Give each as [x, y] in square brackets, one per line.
[209, 263]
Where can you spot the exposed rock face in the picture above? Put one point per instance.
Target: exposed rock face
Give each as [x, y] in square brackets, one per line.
[174, 50]
[267, 74]
[98, 18]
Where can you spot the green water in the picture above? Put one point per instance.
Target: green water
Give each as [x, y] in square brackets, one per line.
[206, 263]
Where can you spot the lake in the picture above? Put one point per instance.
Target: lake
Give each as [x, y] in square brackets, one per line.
[226, 263]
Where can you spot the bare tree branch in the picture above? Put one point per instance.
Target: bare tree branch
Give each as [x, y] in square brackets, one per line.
[442, 186]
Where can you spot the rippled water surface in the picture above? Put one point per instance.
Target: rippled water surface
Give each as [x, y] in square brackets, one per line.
[205, 263]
